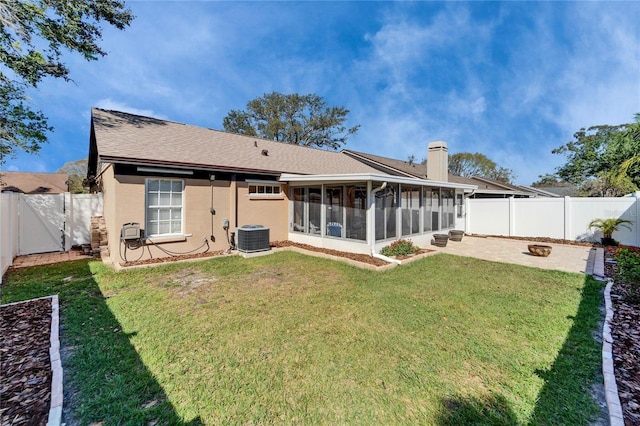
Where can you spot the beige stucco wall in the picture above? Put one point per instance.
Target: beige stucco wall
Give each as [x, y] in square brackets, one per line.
[124, 199]
[269, 211]
[109, 206]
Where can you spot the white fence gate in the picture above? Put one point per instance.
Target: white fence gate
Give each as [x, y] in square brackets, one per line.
[42, 223]
[563, 218]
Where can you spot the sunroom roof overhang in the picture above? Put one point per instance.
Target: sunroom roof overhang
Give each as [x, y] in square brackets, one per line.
[373, 177]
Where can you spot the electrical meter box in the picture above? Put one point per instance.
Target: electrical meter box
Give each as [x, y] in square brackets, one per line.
[130, 231]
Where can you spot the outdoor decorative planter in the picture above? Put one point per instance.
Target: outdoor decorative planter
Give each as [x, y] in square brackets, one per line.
[456, 235]
[440, 240]
[539, 250]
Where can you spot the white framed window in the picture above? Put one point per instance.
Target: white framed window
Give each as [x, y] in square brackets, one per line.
[265, 188]
[164, 206]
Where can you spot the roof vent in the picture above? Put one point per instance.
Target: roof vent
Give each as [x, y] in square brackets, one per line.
[265, 152]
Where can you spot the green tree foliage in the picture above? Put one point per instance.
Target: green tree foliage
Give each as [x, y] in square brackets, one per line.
[548, 179]
[21, 128]
[77, 171]
[296, 119]
[466, 164]
[600, 159]
[33, 36]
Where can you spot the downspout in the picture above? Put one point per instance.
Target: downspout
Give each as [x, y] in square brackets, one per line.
[233, 186]
[373, 240]
[212, 209]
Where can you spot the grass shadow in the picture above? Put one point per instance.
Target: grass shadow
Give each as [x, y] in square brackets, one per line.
[566, 397]
[576, 369]
[490, 410]
[104, 378]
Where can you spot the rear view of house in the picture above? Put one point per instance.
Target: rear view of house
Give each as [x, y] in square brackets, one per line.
[169, 187]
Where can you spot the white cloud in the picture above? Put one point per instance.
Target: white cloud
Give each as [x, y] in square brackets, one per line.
[27, 163]
[602, 77]
[110, 104]
[509, 79]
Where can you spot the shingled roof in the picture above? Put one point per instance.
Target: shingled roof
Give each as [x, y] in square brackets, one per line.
[406, 168]
[118, 137]
[34, 183]
[419, 170]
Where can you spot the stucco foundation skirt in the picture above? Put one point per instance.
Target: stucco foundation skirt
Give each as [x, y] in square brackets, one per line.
[440, 240]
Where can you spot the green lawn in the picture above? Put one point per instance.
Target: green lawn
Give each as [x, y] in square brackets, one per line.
[289, 338]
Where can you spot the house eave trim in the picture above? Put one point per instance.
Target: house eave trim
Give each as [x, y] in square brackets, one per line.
[360, 177]
[185, 166]
[504, 192]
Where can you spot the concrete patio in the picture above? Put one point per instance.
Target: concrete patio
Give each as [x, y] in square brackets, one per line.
[563, 257]
[48, 258]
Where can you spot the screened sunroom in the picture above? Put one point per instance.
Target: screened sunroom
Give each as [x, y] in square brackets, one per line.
[363, 213]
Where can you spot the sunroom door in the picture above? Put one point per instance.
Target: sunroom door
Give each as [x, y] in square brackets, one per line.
[435, 209]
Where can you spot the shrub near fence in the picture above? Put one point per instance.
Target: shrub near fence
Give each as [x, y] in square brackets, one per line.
[561, 218]
[629, 267]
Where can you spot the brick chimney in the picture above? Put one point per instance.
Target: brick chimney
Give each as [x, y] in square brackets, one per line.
[438, 161]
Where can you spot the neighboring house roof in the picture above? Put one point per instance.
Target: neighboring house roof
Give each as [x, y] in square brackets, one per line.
[118, 137]
[491, 186]
[561, 190]
[485, 186]
[541, 192]
[34, 183]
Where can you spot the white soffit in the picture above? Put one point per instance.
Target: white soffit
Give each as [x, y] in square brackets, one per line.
[359, 177]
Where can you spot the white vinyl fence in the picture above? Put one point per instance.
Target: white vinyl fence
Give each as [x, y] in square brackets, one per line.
[9, 204]
[563, 218]
[39, 223]
[80, 210]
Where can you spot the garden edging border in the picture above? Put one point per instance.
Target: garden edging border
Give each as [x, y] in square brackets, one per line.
[55, 412]
[616, 417]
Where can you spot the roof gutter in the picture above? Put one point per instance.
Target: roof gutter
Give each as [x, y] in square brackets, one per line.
[359, 177]
[185, 166]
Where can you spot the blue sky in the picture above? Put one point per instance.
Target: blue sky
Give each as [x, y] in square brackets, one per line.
[512, 80]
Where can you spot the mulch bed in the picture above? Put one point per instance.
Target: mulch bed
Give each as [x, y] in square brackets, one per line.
[25, 383]
[167, 259]
[544, 240]
[364, 258]
[625, 330]
[358, 257]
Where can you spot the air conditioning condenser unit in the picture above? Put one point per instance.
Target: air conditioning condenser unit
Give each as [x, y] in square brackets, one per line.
[253, 238]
